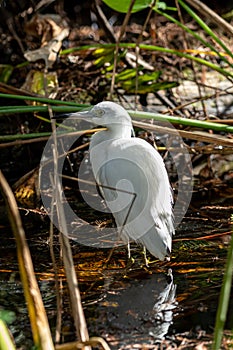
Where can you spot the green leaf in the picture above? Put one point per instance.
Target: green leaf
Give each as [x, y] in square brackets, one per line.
[129, 87]
[5, 72]
[149, 77]
[101, 61]
[147, 82]
[130, 74]
[123, 5]
[7, 316]
[126, 74]
[105, 56]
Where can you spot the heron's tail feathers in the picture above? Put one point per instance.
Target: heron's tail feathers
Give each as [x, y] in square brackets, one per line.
[158, 240]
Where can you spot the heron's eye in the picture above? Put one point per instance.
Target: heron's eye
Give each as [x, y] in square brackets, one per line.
[99, 112]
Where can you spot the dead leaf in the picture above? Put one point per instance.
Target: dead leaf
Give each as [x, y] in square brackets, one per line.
[52, 30]
[45, 26]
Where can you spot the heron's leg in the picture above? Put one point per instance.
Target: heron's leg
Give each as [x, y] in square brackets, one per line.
[145, 257]
[108, 258]
[129, 252]
[134, 195]
[131, 259]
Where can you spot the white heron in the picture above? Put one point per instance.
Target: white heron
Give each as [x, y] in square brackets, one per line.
[132, 179]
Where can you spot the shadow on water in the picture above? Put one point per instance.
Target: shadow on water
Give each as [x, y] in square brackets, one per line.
[128, 303]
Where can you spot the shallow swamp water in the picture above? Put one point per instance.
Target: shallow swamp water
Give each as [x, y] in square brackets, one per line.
[133, 306]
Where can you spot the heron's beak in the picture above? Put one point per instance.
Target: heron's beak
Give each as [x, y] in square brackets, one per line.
[84, 115]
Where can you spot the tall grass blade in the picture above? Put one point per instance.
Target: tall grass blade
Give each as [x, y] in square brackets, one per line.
[224, 299]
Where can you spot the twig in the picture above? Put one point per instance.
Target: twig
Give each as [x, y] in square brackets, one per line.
[15, 35]
[35, 137]
[103, 20]
[75, 298]
[192, 135]
[58, 287]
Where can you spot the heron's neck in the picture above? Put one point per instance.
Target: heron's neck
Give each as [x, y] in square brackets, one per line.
[118, 131]
[115, 131]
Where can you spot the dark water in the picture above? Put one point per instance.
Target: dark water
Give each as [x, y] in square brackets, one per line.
[127, 303]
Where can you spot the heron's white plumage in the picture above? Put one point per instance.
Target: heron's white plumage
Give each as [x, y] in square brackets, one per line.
[133, 180]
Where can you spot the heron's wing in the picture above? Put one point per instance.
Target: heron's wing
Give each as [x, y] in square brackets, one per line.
[136, 188]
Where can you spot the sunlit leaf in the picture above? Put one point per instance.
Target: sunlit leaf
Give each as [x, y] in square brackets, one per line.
[101, 61]
[36, 82]
[126, 74]
[102, 51]
[104, 56]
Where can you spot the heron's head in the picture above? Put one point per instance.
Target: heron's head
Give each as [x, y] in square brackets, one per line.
[106, 114]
